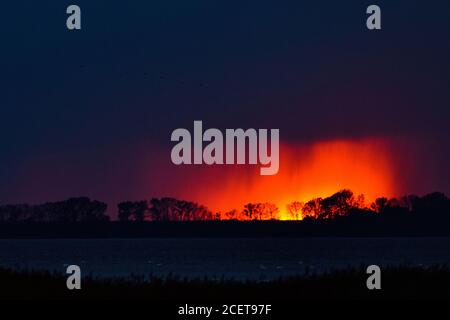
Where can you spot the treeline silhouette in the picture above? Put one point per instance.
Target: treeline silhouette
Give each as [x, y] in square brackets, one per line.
[164, 209]
[71, 210]
[342, 204]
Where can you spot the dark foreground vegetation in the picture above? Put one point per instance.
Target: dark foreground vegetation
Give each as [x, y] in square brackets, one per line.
[397, 283]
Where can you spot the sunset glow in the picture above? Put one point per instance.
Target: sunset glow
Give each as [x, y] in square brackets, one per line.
[306, 171]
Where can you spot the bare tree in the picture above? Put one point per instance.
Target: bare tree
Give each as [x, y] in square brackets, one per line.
[295, 210]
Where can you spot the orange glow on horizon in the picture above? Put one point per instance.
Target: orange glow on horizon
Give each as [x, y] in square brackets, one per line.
[307, 171]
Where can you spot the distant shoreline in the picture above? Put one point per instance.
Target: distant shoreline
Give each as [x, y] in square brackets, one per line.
[368, 227]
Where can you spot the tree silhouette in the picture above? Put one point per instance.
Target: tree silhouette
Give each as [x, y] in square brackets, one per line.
[379, 205]
[171, 209]
[337, 204]
[130, 210]
[313, 209]
[269, 211]
[251, 211]
[232, 215]
[295, 209]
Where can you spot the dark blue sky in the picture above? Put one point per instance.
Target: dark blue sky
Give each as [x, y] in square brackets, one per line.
[82, 105]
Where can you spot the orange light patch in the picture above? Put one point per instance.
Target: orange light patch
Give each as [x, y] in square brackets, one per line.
[306, 171]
